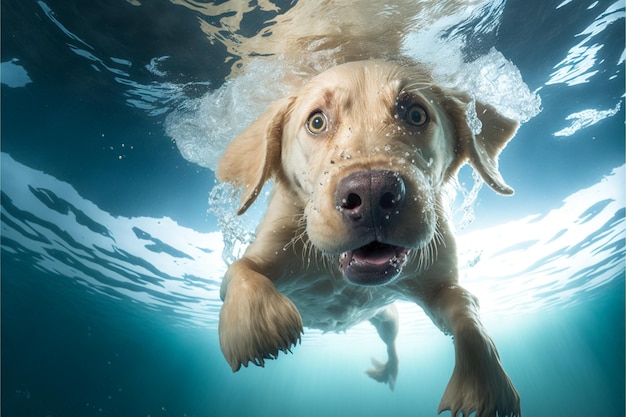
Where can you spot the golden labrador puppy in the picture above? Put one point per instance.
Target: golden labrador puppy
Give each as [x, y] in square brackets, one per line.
[361, 156]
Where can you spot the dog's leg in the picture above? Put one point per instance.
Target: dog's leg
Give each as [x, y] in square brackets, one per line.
[386, 323]
[479, 383]
[256, 321]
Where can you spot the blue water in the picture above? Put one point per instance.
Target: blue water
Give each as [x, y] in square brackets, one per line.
[112, 256]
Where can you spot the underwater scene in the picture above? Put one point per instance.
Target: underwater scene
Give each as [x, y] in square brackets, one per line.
[116, 233]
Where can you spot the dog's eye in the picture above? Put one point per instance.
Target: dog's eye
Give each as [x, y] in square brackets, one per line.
[317, 123]
[416, 115]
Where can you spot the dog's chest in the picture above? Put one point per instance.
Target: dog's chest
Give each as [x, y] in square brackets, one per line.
[330, 303]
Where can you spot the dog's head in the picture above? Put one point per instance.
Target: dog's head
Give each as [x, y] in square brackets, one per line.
[365, 149]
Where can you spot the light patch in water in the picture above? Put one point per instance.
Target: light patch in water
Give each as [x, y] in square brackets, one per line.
[154, 64]
[156, 98]
[543, 261]
[13, 74]
[151, 261]
[565, 3]
[586, 118]
[51, 15]
[578, 67]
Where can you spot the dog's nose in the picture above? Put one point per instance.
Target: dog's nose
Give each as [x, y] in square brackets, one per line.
[370, 197]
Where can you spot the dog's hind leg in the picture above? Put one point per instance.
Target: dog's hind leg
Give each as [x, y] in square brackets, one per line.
[386, 323]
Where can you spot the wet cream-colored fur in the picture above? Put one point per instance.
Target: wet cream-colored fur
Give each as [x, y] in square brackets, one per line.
[289, 277]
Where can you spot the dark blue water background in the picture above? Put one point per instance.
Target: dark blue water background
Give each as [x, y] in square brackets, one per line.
[71, 348]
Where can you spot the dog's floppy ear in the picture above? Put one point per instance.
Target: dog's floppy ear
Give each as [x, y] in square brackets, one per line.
[253, 157]
[481, 150]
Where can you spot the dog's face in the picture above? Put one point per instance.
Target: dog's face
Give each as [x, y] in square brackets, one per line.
[368, 148]
[365, 149]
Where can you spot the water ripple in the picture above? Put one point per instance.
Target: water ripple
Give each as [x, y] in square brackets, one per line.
[155, 262]
[535, 263]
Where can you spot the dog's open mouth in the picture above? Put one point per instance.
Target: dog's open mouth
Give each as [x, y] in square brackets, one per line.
[373, 264]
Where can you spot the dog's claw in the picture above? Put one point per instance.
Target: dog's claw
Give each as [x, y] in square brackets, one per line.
[478, 383]
[257, 324]
[465, 399]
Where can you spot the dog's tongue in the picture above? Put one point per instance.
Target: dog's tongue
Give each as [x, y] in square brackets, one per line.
[373, 264]
[375, 253]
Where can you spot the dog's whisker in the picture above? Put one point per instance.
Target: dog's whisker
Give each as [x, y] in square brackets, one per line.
[300, 236]
[328, 261]
[308, 250]
[427, 255]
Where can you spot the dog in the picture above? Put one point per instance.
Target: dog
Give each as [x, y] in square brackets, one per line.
[361, 157]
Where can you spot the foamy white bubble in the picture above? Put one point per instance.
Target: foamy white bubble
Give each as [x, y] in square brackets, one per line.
[495, 80]
[203, 127]
[490, 79]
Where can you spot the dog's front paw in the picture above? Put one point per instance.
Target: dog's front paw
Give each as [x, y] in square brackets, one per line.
[256, 322]
[479, 383]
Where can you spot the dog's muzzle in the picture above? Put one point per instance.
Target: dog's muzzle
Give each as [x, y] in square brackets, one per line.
[370, 203]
